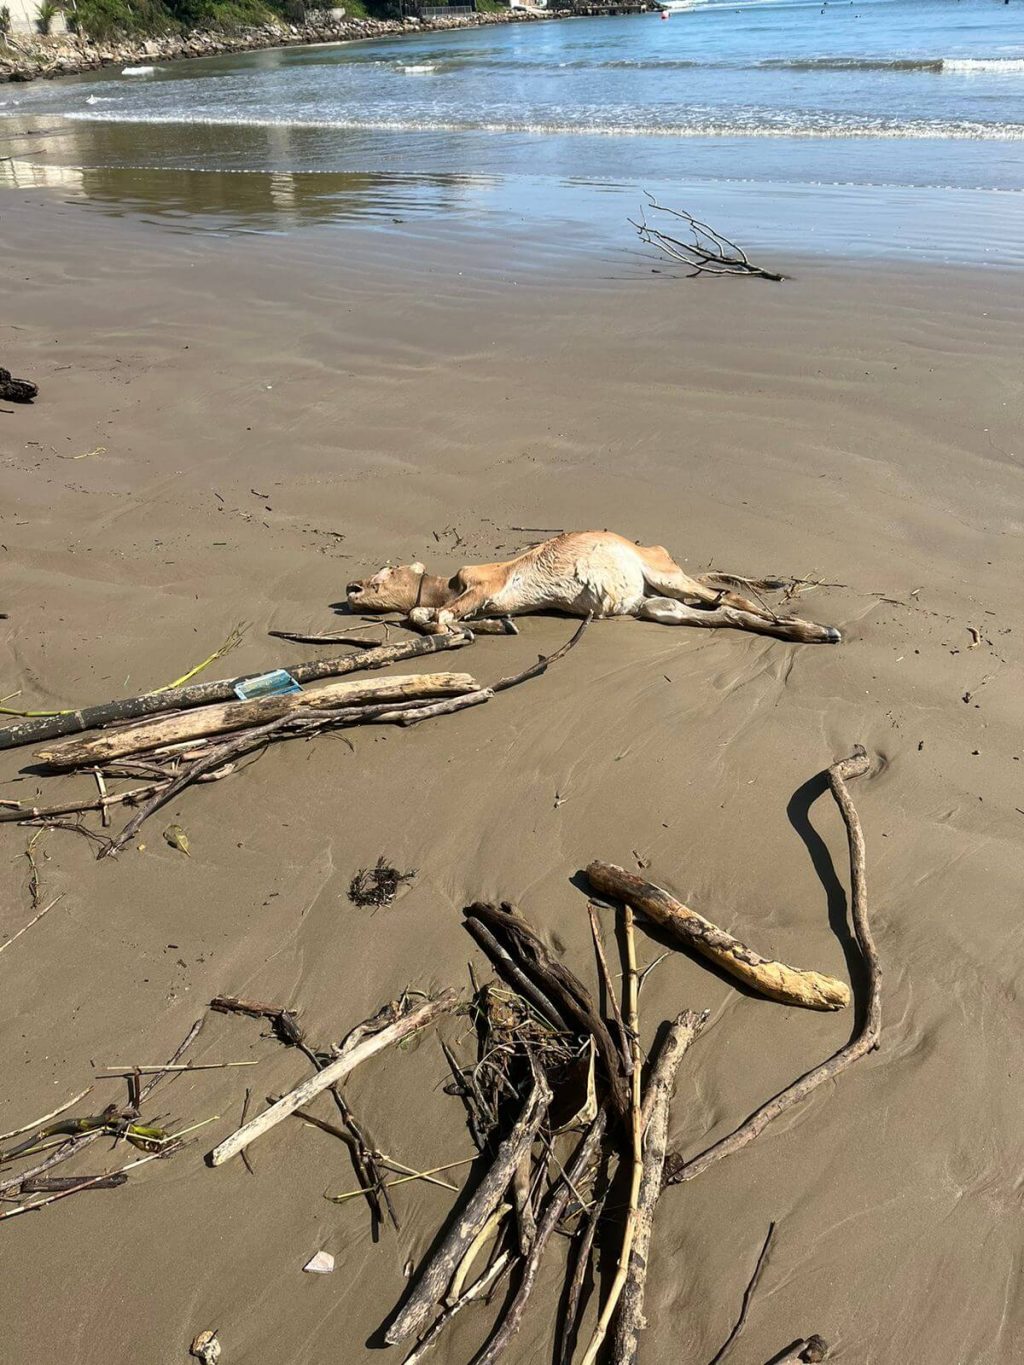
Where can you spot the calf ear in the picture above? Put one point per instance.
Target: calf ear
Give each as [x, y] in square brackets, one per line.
[418, 567]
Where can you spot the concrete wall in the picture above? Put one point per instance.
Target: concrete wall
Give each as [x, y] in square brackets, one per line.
[23, 17]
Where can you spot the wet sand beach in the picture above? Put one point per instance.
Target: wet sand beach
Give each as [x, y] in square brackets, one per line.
[230, 428]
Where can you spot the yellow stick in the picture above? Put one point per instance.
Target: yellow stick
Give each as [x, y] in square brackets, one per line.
[404, 1180]
[233, 640]
[636, 1128]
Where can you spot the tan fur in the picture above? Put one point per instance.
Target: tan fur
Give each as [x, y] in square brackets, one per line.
[581, 573]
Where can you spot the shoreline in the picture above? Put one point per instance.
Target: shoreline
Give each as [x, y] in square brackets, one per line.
[50, 57]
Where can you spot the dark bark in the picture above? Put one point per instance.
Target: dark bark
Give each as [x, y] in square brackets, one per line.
[559, 984]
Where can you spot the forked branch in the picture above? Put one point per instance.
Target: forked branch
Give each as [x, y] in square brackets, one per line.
[707, 252]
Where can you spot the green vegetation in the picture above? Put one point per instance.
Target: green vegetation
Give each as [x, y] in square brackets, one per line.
[105, 20]
[45, 15]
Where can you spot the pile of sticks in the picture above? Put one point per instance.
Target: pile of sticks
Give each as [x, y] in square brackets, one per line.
[177, 737]
[569, 1120]
[542, 1041]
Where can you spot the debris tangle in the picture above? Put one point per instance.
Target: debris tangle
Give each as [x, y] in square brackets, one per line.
[377, 885]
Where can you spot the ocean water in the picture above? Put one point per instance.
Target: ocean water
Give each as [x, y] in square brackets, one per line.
[894, 127]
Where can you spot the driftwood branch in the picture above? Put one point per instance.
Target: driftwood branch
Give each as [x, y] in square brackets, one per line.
[570, 1324]
[201, 694]
[442, 1265]
[789, 985]
[542, 664]
[865, 1041]
[684, 1030]
[488, 1280]
[241, 715]
[51, 1184]
[549, 1220]
[390, 1026]
[18, 812]
[706, 252]
[414, 714]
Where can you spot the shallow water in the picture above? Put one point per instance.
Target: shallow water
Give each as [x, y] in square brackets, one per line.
[888, 126]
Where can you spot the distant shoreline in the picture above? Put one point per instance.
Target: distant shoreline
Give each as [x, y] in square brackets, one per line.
[28, 58]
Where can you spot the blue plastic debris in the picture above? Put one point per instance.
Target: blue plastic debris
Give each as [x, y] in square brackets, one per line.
[275, 684]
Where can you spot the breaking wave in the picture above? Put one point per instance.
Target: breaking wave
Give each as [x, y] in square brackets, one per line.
[865, 128]
[958, 65]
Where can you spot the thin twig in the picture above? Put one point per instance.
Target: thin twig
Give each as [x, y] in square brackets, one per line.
[126, 1070]
[35, 883]
[490, 1277]
[710, 252]
[609, 990]
[39, 1123]
[17, 813]
[246, 1160]
[34, 920]
[748, 1295]
[101, 787]
[406, 1179]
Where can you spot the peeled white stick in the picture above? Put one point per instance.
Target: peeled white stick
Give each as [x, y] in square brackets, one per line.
[241, 715]
[365, 1041]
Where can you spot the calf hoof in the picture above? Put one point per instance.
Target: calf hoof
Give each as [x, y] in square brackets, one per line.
[424, 619]
[832, 636]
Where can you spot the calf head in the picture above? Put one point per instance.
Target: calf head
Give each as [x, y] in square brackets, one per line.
[391, 589]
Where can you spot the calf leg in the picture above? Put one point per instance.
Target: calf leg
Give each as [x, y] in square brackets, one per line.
[439, 620]
[670, 612]
[663, 575]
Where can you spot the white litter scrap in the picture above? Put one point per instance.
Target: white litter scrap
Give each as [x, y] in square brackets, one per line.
[321, 1264]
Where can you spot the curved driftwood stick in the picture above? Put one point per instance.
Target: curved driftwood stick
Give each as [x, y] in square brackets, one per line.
[201, 694]
[241, 715]
[676, 1169]
[390, 1026]
[684, 1030]
[439, 1269]
[789, 985]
